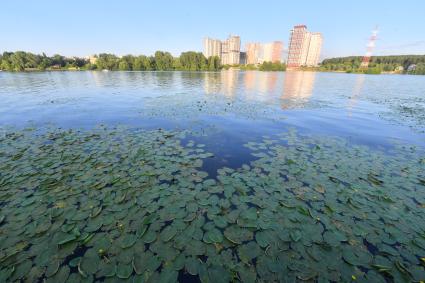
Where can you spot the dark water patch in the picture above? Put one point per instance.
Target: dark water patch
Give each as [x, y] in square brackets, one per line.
[185, 277]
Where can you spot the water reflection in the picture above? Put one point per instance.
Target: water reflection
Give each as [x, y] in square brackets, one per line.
[357, 90]
[261, 82]
[286, 89]
[229, 80]
[298, 86]
[224, 82]
[254, 83]
[212, 82]
[249, 80]
[272, 81]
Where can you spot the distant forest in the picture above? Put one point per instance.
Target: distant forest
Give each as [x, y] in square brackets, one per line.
[411, 64]
[161, 61]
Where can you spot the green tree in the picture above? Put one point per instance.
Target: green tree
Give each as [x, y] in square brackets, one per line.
[123, 66]
[176, 64]
[149, 63]
[45, 62]
[269, 66]
[163, 61]
[214, 63]
[6, 63]
[128, 63]
[138, 64]
[420, 69]
[193, 61]
[58, 60]
[107, 61]
[373, 70]
[17, 60]
[32, 61]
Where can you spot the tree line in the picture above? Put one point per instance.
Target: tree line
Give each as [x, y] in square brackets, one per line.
[265, 66]
[21, 61]
[161, 61]
[407, 64]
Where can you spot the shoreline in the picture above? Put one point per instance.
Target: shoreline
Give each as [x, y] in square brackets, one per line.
[230, 69]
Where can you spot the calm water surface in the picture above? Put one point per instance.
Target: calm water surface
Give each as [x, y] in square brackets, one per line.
[369, 109]
[215, 176]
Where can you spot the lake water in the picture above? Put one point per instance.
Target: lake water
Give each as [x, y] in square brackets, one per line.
[212, 177]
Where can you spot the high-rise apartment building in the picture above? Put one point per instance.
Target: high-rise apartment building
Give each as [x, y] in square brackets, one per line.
[225, 53]
[228, 50]
[266, 52]
[253, 53]
[304, 47]
[314, 49]
[257, 53]
[296, 45]
[212, 47]
[277, 51]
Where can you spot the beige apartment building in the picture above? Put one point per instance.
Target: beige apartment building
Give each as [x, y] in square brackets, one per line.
[212, 47]
[253, 53]
[228, 50]
[304, 47]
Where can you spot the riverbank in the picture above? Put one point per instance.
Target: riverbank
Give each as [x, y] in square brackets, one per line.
[195, 61]
[223, 69]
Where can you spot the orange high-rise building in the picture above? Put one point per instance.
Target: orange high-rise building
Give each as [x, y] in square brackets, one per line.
[277, 50]
[304, 47]
[257, 53]
[252, 53]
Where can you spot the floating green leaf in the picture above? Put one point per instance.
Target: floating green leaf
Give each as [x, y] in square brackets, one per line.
[213, 236]
[128, 240]
[249, 251]
[124, 271]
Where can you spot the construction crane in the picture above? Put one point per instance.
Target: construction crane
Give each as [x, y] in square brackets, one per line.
[369, 50]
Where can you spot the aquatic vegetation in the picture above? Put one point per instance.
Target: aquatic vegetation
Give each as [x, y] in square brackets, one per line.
[186, 105]
[115, 204]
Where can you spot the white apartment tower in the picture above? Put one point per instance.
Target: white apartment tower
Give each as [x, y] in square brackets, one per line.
[228, 50]
[314, 49]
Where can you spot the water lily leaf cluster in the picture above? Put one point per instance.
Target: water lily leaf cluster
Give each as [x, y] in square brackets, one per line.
[119, 204]
[188, 106]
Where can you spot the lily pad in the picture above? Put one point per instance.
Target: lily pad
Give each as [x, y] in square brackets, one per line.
[192, 265]
[124, 271]
[249, 251]
[52, 268]
[128, 241]
[238, 235]
[168, 233]
[213, 236]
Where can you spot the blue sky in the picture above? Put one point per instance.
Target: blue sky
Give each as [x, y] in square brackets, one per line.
[140, 27]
